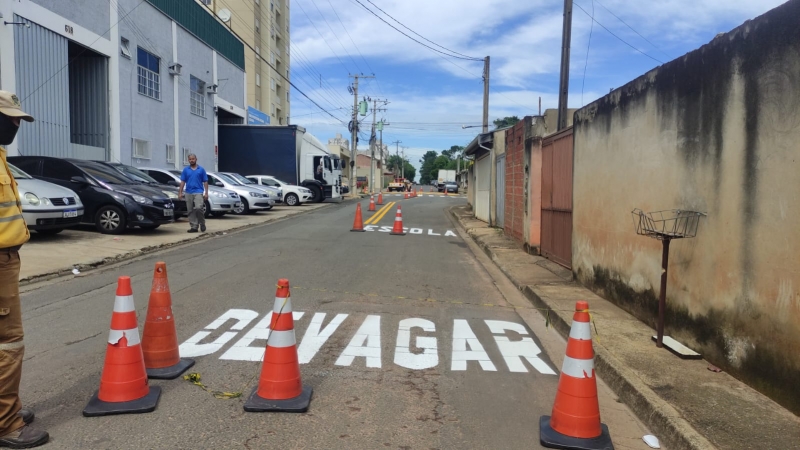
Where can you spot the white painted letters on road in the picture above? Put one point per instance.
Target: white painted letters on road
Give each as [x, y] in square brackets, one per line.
[404, 357]
[450, 233]
[366, 343]
[314, 338]
[431, 233]
[512, 351]
[242, 351]
[466, 347]
[192, 347]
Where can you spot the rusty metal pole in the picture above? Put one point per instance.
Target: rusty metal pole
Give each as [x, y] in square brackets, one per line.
[662, 298]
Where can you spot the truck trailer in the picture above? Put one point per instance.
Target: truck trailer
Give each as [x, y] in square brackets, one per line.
[288, 153]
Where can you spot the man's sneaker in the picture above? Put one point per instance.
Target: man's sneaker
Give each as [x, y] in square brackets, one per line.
[203, 227]
[27, 415]
[192, 230]
[25, 437]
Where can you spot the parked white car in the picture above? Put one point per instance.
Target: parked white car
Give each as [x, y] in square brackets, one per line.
[47, 208]
[293, 195]
[275, 192]
[220, 201]
[253, 199]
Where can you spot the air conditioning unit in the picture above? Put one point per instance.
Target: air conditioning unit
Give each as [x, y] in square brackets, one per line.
[212, 88]
[175, 69]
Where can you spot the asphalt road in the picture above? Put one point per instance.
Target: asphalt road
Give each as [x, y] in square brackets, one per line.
[455, 386]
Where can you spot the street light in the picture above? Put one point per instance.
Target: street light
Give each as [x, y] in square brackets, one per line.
[471, 126]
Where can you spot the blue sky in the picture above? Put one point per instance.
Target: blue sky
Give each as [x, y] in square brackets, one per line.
[432, 96]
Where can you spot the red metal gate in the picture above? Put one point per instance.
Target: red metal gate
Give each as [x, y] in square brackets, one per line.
[557, 197]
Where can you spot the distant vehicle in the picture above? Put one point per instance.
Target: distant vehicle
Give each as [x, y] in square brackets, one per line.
[139, 176]
[289, 153]
[398, 185]
[293, 195]
[112, 202]
[451, 186]
[445, 176]
[252, 199]
[220, 201]
[47, 208]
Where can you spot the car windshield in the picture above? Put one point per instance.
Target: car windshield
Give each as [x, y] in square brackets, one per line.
[103, 174]
[241, 179]
[136, 174]
[229, 179]
[18, 174]
[175, 172]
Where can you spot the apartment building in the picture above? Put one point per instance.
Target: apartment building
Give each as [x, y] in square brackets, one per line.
[263, 25]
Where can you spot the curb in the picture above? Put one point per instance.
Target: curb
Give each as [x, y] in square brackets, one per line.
[661, 417]
[152, 249]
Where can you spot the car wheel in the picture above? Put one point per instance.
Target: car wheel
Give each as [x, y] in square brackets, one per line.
[150, 227]
[110, 220]
[50, 231]
[291, 200]
[317, 191]
[244, 209]
[206, 209]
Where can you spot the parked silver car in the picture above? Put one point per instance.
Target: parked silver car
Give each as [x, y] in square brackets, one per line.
[47, 208]
[220, 201]
[276, 193]
[252, 199]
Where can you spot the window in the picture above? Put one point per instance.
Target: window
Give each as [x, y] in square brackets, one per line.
[272, 111]
[125, 47]
[141, 149]
[287, 96]
[258, 105]
[258, 50]
[258, 79]
[186, 152]
[149, 74]
[258, 25]
[258, 2]
[197, 97]
[161, 177]
[272, 57]
[272, 83]
[287, 49]
[59, 170]
[206, 2]
[170, 154]
[272, 6]
[287, 74]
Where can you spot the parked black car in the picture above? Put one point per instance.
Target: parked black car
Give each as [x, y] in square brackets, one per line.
[112, 202]
[140, 176]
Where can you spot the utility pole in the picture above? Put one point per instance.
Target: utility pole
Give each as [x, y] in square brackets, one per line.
[563, 88]
[372, 143]
[397, 154]
[486, 94]
[403, 163]
[354, 133]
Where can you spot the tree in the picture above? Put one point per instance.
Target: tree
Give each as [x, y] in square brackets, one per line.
[425, 170]
[453, 152]
[505, 122]
[411, 171]
[394, 163]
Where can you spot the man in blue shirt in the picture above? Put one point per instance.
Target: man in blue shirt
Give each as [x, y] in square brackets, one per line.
[195, 180]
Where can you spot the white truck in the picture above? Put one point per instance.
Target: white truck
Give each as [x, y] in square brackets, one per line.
[288, 153]
[445, 176]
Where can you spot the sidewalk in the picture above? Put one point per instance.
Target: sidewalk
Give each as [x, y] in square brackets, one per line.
[45, 257]
[685, 405]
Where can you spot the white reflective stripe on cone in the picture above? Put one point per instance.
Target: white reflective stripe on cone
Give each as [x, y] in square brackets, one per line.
[279, 307]
[280, 339]
[581, 331]
[12, 345]
[123, 303]
[131, 335]
[578, 368]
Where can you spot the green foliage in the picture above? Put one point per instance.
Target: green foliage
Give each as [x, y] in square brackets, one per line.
[505, 122]
[425, 171]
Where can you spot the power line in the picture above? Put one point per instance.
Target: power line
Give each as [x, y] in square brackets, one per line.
[335, 35]
[323, 37]
[612, 33]
[618, 18]
[423, 37]
[356, 46]
[468, 58]
[588, 46]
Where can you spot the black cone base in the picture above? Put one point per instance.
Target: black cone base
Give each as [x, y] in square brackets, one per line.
[298, 404]
[171, 372]
[551, 438]
[353, 229]
[146, 404]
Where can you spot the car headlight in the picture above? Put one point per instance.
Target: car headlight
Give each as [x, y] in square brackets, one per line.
[32, 198]
[141, 199]
[170, 195]
[219, 194]
[254, 194]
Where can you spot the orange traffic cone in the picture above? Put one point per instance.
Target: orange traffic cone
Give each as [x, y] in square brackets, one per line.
[358, 224]
[575, 422]
[123, 383]
[405, 196]
[380, 199]
[371, 203]
[159, 338]
[445, 191]
[398, 223]
[280, 388]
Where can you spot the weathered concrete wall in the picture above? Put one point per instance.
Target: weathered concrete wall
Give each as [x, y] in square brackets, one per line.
[715, 131]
